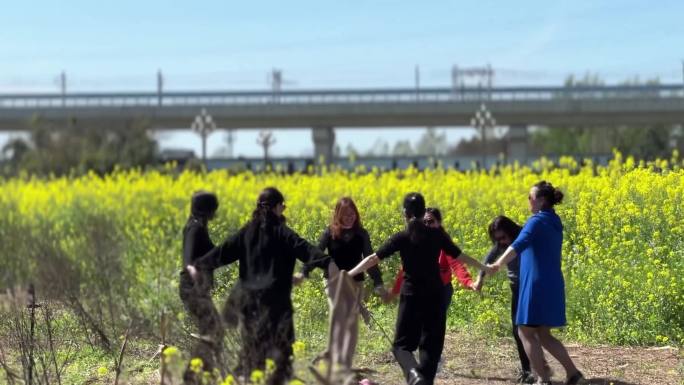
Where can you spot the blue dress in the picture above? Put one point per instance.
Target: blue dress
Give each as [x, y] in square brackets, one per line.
[542, 288]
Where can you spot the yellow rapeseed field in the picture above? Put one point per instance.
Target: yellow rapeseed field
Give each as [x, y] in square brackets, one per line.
[622, 251]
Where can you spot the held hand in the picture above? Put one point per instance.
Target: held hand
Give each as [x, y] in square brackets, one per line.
[382, 293]
[491, 269]
[192, 270]
[297, 279]
[390, 296]
[477, 285]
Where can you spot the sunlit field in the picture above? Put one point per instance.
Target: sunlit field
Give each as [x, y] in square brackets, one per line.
[111, 247]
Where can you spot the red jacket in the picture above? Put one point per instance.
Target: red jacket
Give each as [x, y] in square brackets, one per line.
[447, 266]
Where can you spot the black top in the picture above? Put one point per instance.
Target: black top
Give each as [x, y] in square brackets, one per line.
[266, 253]
[513, 265]
[347, 251]
[420, 259]
[196, 241]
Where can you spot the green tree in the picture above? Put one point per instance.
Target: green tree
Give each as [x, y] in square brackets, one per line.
[379, 148]
[432, 143]
[644, 142]
[76, 148]
[403, 148]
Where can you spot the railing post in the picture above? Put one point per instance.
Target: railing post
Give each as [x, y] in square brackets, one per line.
[160, 87]
[417, 79]
[62, 87]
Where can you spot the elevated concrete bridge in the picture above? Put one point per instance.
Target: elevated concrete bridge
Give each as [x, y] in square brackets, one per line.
[324, 110]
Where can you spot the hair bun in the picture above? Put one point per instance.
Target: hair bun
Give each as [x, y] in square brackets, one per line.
[557, 196]
[551, 195]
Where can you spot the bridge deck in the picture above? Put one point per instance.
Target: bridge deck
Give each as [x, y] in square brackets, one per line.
[356, 108]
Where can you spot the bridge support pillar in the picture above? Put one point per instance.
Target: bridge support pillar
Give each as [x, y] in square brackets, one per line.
[324, 142]
[517, 144]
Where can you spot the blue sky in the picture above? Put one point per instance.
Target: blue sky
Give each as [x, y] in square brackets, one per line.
[222, 45]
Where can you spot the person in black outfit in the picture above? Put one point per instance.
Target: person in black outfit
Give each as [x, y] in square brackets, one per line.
[502, 232]
[196, 294]
[266, 249]
[347, 242]
[421, 322]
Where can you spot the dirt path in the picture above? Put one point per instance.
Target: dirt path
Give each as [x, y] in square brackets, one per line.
[476, 362]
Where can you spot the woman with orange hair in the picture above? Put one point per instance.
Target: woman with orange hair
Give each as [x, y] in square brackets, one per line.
[347, 243]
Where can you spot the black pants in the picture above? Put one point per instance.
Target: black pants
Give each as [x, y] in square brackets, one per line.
[267, 332]
[196, 297]
[447, 296]
[421, 324]
[524, 361]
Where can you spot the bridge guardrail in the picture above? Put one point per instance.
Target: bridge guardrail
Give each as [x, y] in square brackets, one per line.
[318, 97]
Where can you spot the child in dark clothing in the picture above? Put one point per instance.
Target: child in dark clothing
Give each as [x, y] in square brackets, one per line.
[502, 232]
[196, 294]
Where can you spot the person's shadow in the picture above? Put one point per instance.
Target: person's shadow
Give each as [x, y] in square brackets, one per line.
[588, 381]
[606, 381]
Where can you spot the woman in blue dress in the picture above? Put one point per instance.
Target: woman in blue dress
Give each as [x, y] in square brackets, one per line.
[541, 303]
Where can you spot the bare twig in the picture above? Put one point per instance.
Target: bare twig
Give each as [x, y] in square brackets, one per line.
[119, 361]
[67, 357]
[319, 377]
[9, 374]
[32, 305]
[162, 330]
[53, 356]
[91, 323]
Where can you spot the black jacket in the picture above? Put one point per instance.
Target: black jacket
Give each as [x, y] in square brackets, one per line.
[196, 243]
[267, 255]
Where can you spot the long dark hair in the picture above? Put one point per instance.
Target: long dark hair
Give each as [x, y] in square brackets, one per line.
[414, 210]
[505, 224]
[551, 195]
[336, 221]
[268, 199]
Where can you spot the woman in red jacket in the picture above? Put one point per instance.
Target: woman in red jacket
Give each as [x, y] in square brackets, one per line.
[448, 265]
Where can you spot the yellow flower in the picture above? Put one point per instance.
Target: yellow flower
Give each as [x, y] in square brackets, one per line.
[298, 348]
[257, 376]
[621, 252]
[196, 364]
[270, 365]
[170, 353]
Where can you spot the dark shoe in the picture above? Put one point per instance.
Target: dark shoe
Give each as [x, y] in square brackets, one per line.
[415, 378]
[575, 378]
[525, 377]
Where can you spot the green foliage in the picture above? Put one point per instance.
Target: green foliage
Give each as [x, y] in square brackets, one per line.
[80, 147]
[643, 142]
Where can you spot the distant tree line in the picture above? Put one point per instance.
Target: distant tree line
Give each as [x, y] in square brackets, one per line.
[643, 142]
[75, 148]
